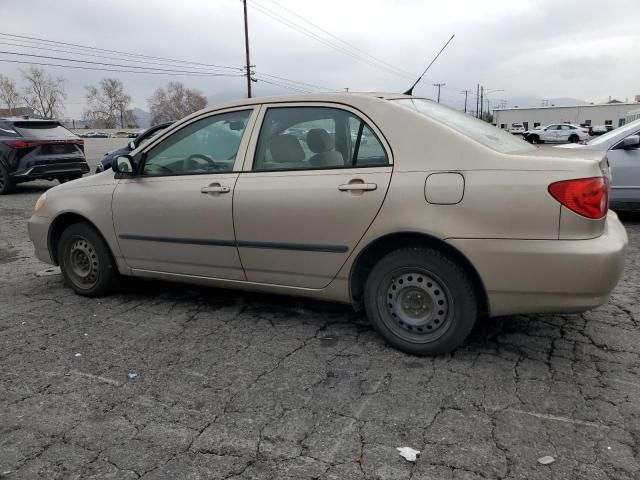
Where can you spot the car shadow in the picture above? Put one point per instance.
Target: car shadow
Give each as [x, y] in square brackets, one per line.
[485, 335]
[29, 188]
[629, 217]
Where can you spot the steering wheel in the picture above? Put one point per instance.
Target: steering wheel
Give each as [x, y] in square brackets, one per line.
[191, 160]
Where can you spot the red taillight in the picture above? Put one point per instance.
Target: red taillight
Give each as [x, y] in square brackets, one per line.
[36, 143]
[588, 197]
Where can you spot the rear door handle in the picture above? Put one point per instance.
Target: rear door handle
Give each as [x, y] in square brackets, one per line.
[357, 186]
[215, 188]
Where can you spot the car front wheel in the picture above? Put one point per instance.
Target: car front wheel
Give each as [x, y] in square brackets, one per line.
[421, 301]
[86, 262]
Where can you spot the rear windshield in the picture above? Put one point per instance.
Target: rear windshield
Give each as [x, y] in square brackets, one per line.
[42, 130]
[478, 130]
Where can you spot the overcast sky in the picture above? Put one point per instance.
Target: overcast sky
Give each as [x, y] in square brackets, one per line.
[545, 48]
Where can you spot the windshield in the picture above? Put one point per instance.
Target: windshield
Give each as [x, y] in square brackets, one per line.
[480, 131]
[617, 134]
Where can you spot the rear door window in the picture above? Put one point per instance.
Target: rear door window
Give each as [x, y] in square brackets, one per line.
[43, 130]
[313, 138]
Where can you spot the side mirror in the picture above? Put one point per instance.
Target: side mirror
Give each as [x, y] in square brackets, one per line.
[632, 141]
[123, 164]
[132, 145]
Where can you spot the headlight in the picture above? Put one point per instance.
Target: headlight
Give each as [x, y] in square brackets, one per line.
[41, 201]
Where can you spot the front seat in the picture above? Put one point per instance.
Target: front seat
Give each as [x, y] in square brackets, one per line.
[322, 144]
[285, 149]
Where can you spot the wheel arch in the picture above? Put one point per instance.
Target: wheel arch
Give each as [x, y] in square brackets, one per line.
[60, 223]
[379, 247]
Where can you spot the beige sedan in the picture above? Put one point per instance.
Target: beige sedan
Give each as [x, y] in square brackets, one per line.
[422, 215]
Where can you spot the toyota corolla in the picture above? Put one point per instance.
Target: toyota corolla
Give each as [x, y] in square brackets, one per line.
[426, 217]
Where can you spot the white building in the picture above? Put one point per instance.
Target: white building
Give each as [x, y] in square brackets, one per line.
[602, 114]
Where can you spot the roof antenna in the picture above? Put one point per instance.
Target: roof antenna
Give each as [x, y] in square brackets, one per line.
[410, 91]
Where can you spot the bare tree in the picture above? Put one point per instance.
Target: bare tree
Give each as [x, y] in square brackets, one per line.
[107, 104]
[43, 93]
[9, 94]
[175, 102]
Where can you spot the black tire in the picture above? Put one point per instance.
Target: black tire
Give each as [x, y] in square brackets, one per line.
[574, 139]
[446, 308]
[86, 262]
[535, 139]
[7, 185]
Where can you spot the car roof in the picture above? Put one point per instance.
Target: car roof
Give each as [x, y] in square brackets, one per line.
[338, 97]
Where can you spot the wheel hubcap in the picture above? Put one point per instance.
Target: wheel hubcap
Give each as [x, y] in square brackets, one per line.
[417, 303]
[83, 262]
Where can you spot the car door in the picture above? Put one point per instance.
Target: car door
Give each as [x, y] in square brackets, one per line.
[176, 215]
[563, 133]
[625, 172]
[550, 133]
[314, 184]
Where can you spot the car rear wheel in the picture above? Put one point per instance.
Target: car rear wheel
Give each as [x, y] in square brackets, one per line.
[421, 301]
[7, 184]
[86, 262]
[574, 139]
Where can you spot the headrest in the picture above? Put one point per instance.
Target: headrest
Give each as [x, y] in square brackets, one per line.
[286, 148]
[319, 140]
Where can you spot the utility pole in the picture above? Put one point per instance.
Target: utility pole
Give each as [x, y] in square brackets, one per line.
[481, 102]
[477, 98]
[466, 93]
[439, 85]
[246, 46]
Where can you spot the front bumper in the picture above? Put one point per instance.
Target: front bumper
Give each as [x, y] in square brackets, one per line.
[38, 228]
[544, 276]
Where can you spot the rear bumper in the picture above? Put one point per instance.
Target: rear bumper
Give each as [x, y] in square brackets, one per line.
[52, 170]
[544, 276]
[38, 228]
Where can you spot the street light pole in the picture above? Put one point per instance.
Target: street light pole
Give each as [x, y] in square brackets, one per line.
[246, 46]
[439, 85]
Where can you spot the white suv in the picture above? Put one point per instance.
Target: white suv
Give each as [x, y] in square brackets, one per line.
[557, 133]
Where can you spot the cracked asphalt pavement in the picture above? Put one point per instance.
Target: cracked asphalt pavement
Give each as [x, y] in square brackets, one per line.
[241, 386]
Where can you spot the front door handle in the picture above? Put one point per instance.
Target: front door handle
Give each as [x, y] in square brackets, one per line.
[215, 188]
[346, 187]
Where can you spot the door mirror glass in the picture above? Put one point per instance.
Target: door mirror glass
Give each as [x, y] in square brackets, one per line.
[632, 141]
[123, 164]
[132, 145]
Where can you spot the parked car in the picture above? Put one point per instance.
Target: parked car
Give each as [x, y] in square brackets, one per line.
[38, 150]
[94, 135]
[517, 129]
[120, 135]
[622, 148]
[557, 133]
[105, 163]
[598, 130]
[439, 218]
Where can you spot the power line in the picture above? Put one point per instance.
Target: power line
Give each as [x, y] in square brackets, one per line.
[119, 52]
[294, 81]
[350, 45]
[119, 70]
[283, 85]
[289, 23]
[85, 54]
[164, 62]
[161, 70]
